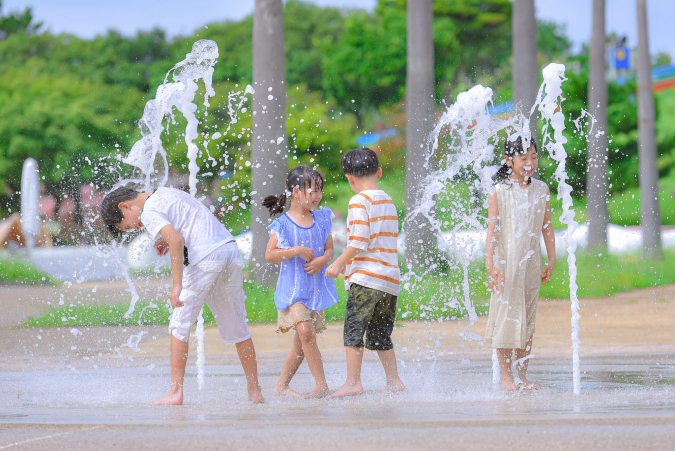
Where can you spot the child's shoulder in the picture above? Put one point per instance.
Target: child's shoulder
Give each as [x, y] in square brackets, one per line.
[539, 184]
[371, 197]
[325, 212]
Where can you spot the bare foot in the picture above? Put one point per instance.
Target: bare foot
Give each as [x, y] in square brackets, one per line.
[508, 385]
[319, 392]
[394, 386]
[172, 399]
[348, 390]
[527, 385]
[285, 391]
[255, 396]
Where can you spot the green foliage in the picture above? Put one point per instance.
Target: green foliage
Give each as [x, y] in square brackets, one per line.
[18, 22]
[610, 274]
[13, 270]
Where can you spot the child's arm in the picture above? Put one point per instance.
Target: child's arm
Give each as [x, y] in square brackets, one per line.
[549, 240]
[273, 254]
[336, 268]
[316, 264]
[176, 244]
[494, 275]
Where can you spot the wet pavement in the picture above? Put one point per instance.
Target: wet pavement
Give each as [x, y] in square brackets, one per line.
[444, 400]
[92, 387]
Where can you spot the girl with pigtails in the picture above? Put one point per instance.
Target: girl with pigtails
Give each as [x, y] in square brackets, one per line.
[301, 241]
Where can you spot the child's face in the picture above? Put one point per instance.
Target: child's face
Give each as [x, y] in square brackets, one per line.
[524, 165]
[309, 198]
[131, 215]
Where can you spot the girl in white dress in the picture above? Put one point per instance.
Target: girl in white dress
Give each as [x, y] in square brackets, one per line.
[518, 213]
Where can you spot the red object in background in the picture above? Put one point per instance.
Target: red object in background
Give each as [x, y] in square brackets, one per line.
[67, 211]
[91, 205]
[47, 206]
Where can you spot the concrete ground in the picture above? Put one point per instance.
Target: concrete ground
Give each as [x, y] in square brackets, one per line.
[91, 388]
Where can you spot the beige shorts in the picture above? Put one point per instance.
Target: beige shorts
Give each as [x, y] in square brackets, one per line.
[218, 281]
[298, 313]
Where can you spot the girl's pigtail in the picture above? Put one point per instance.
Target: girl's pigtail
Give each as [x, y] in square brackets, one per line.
[275, 204]
[503, 174]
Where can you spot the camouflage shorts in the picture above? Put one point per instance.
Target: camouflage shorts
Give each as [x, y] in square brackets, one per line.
[372, 312]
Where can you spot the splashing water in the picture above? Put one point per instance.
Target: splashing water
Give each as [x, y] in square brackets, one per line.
[550, 95]
[462, 147]
[179, 94]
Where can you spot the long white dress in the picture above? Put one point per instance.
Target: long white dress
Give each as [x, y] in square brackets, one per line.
[517, 255]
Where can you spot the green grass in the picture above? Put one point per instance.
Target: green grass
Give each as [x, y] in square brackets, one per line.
[16, 271]
[607, 275]
[433, 298]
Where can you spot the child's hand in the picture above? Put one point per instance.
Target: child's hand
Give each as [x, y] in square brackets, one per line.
[175, 295]
[315, 265]
[305, 253]
[496, 279]
[161, 246]
[333, 271]
[547, 273]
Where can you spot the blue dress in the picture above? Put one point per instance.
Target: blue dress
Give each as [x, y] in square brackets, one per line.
[316, 292]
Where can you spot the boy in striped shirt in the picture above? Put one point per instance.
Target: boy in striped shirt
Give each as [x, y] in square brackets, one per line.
[371, 271]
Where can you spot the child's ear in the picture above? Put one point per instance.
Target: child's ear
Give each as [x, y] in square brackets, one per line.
[379, 173]
[296, 192]
[508, 161]
[124, 206]
[350, 178]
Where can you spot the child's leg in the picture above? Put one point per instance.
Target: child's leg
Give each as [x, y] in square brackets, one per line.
[248, 360]
[353, 384]
[394, 382]
[307, 336]
[293, 362]
[360, 306]
[378, 338]
[179, 354]
[522, 361]
[505, 360]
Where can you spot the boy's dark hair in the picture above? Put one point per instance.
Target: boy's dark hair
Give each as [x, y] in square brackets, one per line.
[360, 162]
[511, 148]
[300, 177]
[110, 211]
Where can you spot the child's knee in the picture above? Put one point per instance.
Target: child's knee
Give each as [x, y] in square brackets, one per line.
[305, 331]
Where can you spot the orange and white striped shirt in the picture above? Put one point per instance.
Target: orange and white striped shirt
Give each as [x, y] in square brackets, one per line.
[373, 228]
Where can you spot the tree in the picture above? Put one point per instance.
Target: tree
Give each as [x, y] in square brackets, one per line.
[525, 72]
[420, 104]
[269, 143]
[596, 184]
[649, 175]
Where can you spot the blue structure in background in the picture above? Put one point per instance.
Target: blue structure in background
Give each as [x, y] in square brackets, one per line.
[621, 57]
[370, 139]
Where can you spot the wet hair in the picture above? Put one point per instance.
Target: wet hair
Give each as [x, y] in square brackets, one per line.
[300, 177]
[511, 149]
[110, 210]
[360, 162]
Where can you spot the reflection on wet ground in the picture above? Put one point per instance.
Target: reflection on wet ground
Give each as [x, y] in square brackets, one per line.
[436, 391]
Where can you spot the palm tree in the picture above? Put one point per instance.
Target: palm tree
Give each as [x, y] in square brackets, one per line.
[269, 144]
[649, 174]
[525, 75]
[420, 90]
[596, 183]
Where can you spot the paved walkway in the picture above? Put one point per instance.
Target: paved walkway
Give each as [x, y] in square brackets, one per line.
[90, 388]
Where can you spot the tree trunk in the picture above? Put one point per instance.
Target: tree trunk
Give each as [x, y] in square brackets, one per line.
[269, 145]
[649, 174]
[525, 74]
[420, 102]
[596, 183]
